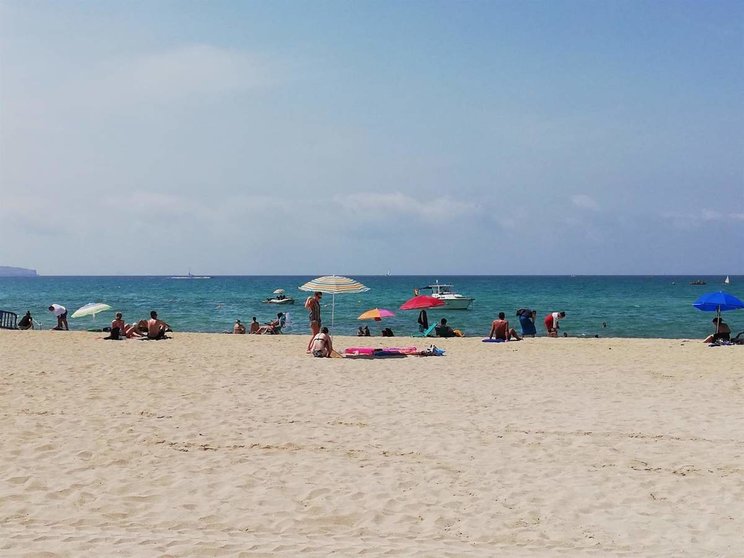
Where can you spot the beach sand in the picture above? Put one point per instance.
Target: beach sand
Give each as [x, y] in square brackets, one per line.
[214, 445]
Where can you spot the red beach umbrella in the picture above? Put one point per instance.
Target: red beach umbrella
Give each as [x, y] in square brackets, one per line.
[421, 301]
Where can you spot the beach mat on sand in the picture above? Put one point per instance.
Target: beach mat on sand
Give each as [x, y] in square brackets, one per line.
[390, 352]
[487, 340]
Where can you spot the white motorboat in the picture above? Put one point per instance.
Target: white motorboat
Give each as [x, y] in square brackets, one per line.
[279, 298]
[452, 300]
[190, 276]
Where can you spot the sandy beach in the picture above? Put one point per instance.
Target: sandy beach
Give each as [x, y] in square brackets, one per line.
[222, 445]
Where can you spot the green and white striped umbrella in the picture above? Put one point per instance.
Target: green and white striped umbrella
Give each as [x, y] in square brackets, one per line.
[333, 285]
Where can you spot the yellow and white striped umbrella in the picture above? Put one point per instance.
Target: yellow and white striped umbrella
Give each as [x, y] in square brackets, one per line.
[333, 285]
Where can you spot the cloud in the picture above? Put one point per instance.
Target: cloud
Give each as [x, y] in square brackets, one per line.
[691, 220]
[398, 203]
[189, 71]
[583, 201]
[35, 216]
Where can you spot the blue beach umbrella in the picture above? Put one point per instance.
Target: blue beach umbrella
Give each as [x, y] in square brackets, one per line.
[718, 302]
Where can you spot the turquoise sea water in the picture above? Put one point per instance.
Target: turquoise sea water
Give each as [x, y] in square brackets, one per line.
[630, 306]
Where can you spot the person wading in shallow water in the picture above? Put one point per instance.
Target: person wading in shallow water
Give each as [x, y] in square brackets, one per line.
[313, 308]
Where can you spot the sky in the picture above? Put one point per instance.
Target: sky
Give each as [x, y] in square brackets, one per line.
[367, 137]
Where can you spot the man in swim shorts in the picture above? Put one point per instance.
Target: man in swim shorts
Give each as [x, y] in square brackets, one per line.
[156, 328]
[500, 329]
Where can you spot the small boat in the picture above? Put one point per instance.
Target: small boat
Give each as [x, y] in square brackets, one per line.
[727, 281]
[697, 282]
[452, 300]
[279, 298]
[190, 276]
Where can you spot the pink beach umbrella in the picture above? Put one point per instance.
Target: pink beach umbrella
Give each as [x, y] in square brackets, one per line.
[376, 314]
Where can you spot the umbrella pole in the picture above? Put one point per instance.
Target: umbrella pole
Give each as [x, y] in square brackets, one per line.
[333, 307]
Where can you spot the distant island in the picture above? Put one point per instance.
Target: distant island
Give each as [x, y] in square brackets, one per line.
[6, 271]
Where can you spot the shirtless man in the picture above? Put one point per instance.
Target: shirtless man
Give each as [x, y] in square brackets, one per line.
[313, 308]
[322, 345]
[500, 329]
[156, 328]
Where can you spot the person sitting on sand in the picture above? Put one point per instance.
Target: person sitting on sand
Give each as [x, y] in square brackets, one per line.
[255, 326]
[360, 332]
[238, 327]
[273, 327]
[120, 329]
[366, 332]
[443, 330]
[118, 322]
[723, 332]
[551, 322]
[26, 322]
[500, 329]
[387, 332]
[156, 328]
[322, 345]
[61, 314]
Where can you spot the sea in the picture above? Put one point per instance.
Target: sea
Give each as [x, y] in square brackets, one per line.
[603, 306]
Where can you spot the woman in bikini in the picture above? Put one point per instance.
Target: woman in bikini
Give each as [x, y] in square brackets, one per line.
[313, 308]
